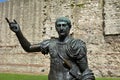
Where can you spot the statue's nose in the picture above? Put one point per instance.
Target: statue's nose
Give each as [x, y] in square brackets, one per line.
[61, 27]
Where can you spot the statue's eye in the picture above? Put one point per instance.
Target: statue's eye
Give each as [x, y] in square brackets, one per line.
[63, 24]
[58, 25]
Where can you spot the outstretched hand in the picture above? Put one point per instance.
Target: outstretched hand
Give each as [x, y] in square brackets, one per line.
[14, 26]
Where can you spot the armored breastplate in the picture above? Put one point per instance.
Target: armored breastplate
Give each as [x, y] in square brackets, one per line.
[56, 67]
[55, 49]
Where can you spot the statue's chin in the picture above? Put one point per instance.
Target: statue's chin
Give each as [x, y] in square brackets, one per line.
[63, 34]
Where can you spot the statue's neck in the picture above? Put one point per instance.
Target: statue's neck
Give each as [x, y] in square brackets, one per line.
[63, 38]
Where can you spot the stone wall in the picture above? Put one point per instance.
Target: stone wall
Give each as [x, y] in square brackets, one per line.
[94, 21]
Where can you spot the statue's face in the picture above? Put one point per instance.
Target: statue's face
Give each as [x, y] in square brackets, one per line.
[62, 28]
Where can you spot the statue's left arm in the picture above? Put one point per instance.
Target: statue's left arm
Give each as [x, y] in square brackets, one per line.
[81, 61]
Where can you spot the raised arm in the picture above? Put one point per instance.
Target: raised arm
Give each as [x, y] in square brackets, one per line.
[14, 26]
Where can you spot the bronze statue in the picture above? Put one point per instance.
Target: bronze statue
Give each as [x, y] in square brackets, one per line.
[68, 56]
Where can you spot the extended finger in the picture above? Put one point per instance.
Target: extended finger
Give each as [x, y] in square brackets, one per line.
[7, 20]
[15, 21]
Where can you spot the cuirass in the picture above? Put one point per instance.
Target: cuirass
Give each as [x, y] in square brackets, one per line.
[57, 70]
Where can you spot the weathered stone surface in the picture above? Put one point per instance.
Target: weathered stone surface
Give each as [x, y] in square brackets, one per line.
[23, 62]
[37, 17]
[112, 17]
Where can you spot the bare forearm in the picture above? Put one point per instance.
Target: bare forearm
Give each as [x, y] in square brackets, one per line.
[23, 41]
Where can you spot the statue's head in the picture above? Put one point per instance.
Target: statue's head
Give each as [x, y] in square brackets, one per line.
[63, 19]
[63, 26]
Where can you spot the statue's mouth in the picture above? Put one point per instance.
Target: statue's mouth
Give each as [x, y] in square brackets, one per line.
[62, 32]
